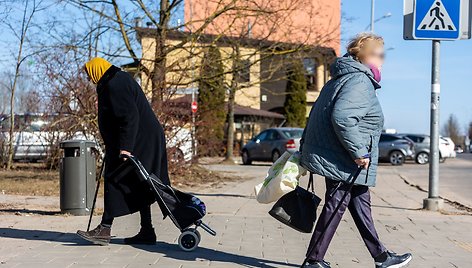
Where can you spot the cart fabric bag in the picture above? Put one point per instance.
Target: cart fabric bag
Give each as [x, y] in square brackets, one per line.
[297, 209]
[281, 178]
[185, 208]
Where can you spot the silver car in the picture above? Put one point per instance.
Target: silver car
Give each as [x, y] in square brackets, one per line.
[395, 148]
[270, 144]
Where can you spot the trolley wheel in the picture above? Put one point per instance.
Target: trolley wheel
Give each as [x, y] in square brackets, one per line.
[189, 239]
[198, 234]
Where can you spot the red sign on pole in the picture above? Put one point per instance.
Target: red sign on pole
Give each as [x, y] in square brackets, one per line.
[194, 107]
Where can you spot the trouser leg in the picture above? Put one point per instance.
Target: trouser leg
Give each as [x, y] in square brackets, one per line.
[333, 197]
[146, 219]
[107, 219]
[360, 209]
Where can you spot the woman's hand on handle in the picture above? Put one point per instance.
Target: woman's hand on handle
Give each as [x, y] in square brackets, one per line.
[363, 162]
[124, 153]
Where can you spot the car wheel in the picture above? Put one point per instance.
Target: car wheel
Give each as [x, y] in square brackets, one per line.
[396, 158]
[422, 158]
[275, 155]
[246, 159]
[442, 159]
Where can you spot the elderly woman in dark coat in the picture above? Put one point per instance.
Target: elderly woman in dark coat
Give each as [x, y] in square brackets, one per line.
[128, 126]
[342, 134]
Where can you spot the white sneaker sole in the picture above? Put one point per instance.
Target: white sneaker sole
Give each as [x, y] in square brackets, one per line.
[401, 264]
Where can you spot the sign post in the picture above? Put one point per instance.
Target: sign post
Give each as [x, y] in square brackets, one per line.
[436, 20]
[434, 202]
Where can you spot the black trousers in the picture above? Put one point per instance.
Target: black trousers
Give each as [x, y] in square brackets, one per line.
[146, 219]
[358, 203]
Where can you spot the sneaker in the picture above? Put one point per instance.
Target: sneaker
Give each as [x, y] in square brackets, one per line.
[99, 236]
[144, 237]
[317, 264]
[394, 260]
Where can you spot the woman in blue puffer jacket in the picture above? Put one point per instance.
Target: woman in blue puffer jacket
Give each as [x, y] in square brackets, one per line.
[341, 135]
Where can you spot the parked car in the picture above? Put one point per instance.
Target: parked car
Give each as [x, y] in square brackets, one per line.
[459, 149]
[395, 148]
[421, 145]
[270, 144]
[449, 151]
[32, 139]
[422, 148]
[179, 144]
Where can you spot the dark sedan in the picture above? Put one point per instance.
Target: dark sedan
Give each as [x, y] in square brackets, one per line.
[270, 144]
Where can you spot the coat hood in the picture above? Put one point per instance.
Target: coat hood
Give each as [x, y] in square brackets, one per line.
[348, 65]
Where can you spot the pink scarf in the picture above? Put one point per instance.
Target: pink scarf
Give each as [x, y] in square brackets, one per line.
[376, 72]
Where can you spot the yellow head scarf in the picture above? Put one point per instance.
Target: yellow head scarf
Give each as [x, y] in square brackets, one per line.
[96, 68]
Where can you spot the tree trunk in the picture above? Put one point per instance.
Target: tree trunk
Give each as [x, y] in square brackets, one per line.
[158, 76]
[159, 73]
[12, 112]
[230, 128]
[231, 102]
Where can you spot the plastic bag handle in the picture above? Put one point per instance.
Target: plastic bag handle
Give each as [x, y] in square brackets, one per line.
[311, 184]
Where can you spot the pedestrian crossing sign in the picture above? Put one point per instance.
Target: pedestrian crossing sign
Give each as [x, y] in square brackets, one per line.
[437, 19]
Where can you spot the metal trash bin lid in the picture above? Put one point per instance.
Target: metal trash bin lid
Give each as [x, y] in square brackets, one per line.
[77, 144]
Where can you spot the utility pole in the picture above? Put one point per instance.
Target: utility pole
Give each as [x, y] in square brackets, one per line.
[433, 202]
[194, 89]
[372, 15]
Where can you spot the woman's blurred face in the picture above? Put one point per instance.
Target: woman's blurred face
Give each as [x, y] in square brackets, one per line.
[375, 55]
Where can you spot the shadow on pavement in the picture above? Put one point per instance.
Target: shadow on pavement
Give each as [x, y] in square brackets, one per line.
[169, 250]
[223, 195]
[31, 211]
[42, 235]
[173, 251]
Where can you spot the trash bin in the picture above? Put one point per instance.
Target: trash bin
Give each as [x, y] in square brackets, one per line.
[77, 176]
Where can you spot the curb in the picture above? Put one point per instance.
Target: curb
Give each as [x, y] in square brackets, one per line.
[455, 204]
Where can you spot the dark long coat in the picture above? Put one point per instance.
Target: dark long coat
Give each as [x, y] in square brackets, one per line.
[127, 122]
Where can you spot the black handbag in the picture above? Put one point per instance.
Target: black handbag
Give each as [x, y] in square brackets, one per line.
[297, 208]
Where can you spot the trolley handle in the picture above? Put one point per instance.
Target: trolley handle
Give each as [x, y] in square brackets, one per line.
[136, 163]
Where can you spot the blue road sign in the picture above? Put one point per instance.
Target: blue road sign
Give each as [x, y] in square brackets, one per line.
[437, 19]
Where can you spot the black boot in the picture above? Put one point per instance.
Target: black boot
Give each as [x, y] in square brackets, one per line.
[100, 235]
[146, 236]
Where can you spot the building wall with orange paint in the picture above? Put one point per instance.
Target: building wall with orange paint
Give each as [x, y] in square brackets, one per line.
[310, 22]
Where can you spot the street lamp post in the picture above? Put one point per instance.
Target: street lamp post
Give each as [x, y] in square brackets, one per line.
[372, 15]
[372, 23]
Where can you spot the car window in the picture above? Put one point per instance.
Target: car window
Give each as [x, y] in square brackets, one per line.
[272, 135]
[387, 138]
[416, 139]
[262, 136]
[293, 133]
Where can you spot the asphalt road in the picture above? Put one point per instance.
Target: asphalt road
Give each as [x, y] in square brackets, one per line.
[455, 177]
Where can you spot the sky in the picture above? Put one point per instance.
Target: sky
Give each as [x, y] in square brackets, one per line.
[406, 75]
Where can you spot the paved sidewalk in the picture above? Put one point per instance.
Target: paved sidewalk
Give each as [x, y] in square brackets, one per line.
[247, 235]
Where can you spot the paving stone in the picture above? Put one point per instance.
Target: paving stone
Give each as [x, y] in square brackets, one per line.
[247, 235]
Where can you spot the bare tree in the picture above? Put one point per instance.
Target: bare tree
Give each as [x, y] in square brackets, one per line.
[30, 8]
[268, 25]
[452, 129]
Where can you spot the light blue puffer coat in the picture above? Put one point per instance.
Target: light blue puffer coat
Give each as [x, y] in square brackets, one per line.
[345, 123]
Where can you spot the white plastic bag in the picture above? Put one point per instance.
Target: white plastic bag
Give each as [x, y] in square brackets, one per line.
[281, 178]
